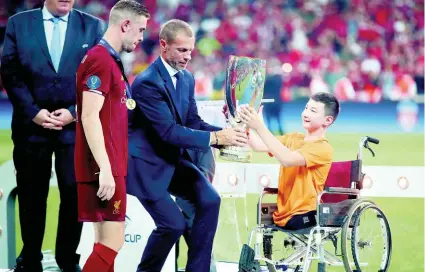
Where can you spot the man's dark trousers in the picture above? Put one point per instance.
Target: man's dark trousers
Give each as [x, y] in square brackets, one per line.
[33, 163]
[205, 161]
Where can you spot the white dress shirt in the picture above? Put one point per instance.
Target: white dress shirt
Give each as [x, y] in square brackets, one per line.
[48, 27]
[171, 71]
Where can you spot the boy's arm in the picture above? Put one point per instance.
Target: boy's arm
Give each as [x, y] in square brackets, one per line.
[255, 142]
[285, 156]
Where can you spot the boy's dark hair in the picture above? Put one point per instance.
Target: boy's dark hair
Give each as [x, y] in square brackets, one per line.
[331, 103]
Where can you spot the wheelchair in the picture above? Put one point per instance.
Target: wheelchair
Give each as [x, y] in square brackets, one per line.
[344, 221]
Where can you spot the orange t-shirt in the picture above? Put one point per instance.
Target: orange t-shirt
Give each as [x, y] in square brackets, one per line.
[299, 186]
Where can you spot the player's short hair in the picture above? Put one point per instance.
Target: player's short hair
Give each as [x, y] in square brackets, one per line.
[170, 29]
[127, 8]
[331, 103]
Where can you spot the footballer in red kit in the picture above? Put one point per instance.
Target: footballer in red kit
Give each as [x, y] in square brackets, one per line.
[99, 73]
[101, 145]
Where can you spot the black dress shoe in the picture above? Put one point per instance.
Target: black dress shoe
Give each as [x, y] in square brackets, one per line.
[72, 268]
[31, 268]
[17, 268]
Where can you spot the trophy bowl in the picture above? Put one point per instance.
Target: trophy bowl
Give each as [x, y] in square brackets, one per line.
[244, 85]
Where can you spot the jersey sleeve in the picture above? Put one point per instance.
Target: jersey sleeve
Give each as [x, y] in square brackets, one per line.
[316, 153]
[283, 140]
[97, 76]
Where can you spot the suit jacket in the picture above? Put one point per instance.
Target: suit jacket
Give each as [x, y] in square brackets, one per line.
[161, 130]
[30, 79]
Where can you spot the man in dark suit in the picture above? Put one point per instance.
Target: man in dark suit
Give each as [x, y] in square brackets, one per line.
[162, 128]
[42, 50]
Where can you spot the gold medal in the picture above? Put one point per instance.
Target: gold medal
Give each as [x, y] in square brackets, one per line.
[131, 104]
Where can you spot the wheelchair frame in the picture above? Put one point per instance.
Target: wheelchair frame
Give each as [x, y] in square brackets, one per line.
[312, 239]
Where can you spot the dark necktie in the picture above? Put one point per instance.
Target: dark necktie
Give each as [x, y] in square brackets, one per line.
[179, 83]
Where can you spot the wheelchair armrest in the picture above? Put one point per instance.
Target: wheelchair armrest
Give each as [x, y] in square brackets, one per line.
[345, 191]
[270, 191]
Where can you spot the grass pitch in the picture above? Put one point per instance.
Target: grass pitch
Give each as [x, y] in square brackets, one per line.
[405, 215]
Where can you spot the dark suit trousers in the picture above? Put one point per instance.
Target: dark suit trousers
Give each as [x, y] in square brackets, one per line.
[33, 164]
[190, 184]
[205, 162]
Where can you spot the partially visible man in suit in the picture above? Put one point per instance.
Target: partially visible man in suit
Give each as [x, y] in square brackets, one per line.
[162, 128]
[42, 50]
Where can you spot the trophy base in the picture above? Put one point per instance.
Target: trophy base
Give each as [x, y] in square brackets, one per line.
[235, 154]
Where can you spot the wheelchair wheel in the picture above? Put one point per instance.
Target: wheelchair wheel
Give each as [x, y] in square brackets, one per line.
[366, 238]
[347, 256]
[371, 240]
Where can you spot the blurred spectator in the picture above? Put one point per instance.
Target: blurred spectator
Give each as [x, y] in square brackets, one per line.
[372, 47]
[272, 90]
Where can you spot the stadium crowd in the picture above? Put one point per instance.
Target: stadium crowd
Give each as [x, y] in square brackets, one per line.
[362, 50]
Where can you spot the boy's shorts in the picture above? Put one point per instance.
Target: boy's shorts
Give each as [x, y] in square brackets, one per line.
[301, 221]
[92, 209]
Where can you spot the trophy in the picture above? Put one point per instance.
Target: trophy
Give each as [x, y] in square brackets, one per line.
[244, 86]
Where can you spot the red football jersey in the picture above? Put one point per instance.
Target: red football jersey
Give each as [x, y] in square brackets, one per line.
[99, 73]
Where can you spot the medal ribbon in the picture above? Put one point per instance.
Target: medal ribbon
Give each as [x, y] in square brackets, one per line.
[117, 59]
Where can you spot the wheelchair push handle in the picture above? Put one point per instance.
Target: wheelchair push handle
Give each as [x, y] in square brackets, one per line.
[364, 142]
[372, 140]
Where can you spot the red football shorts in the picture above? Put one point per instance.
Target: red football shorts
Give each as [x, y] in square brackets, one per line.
[92, 209]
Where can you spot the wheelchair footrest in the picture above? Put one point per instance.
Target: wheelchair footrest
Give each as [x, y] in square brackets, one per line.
[246, 260]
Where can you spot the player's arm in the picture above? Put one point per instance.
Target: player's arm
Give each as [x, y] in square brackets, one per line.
[91, 106]
[96, 86]
[100, 30]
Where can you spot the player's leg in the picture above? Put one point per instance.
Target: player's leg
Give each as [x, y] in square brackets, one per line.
[96, 233]
[109, 223]
[111, 239]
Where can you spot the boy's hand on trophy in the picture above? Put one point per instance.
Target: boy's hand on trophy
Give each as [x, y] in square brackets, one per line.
[232, 136]
[250, 117]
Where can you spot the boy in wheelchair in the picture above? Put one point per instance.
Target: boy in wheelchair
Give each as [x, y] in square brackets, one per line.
[310, 182]
[305, 159]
